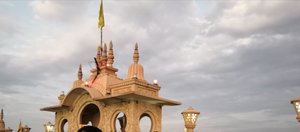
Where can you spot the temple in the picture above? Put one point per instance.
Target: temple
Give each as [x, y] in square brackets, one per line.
[99, 100]
[21, 128]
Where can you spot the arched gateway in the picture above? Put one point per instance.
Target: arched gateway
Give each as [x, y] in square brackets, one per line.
[108, 102]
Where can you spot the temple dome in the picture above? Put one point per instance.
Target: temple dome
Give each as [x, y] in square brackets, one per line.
[136, 70]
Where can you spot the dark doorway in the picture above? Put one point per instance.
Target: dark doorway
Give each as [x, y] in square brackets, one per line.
[90, 115]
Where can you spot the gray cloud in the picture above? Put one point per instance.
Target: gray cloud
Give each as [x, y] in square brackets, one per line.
[237, 77]
[8, 27]
[271, 17]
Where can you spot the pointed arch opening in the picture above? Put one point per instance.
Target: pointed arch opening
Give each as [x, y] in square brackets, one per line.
[90, 115]
[120, 121]
[146, 123]
[64, 125]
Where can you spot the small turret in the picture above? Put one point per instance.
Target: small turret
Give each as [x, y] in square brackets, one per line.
[79, 81]
[98, 56]
[110, 55]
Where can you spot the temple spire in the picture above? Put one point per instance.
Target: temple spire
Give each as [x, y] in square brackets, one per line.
[136, 54]
[104, 55]
[110, 55]
[79, 72]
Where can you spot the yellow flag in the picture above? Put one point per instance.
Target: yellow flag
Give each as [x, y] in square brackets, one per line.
[101, 16]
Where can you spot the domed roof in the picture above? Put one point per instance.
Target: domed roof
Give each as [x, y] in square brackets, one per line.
[136, 71]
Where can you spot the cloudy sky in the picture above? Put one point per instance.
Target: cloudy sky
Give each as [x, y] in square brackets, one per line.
[238, 62]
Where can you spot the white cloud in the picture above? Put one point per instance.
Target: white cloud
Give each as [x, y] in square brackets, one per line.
[58, 10]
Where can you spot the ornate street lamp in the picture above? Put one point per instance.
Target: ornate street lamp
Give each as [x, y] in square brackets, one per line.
[296, 104]
[190, 116]
[48, 127]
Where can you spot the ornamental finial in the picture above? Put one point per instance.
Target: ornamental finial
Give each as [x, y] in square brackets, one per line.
[104, 55]
[79, 72]
[136, 54]
[98, 56]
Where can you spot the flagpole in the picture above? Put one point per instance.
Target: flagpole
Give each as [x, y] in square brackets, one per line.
[101, 25]
[101, 35]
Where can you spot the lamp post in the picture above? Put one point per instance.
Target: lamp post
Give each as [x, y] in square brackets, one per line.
[48, 127]
[296, 104]
[190, 116]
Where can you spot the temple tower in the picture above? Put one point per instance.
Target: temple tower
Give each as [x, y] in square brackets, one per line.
[2, 123]
[99, 100]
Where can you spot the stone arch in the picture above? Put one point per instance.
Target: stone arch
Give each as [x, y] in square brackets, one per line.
[62, 124]
[89, 112]
[152, 119]
[79, 104]
[76, 92]
[115, 119]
